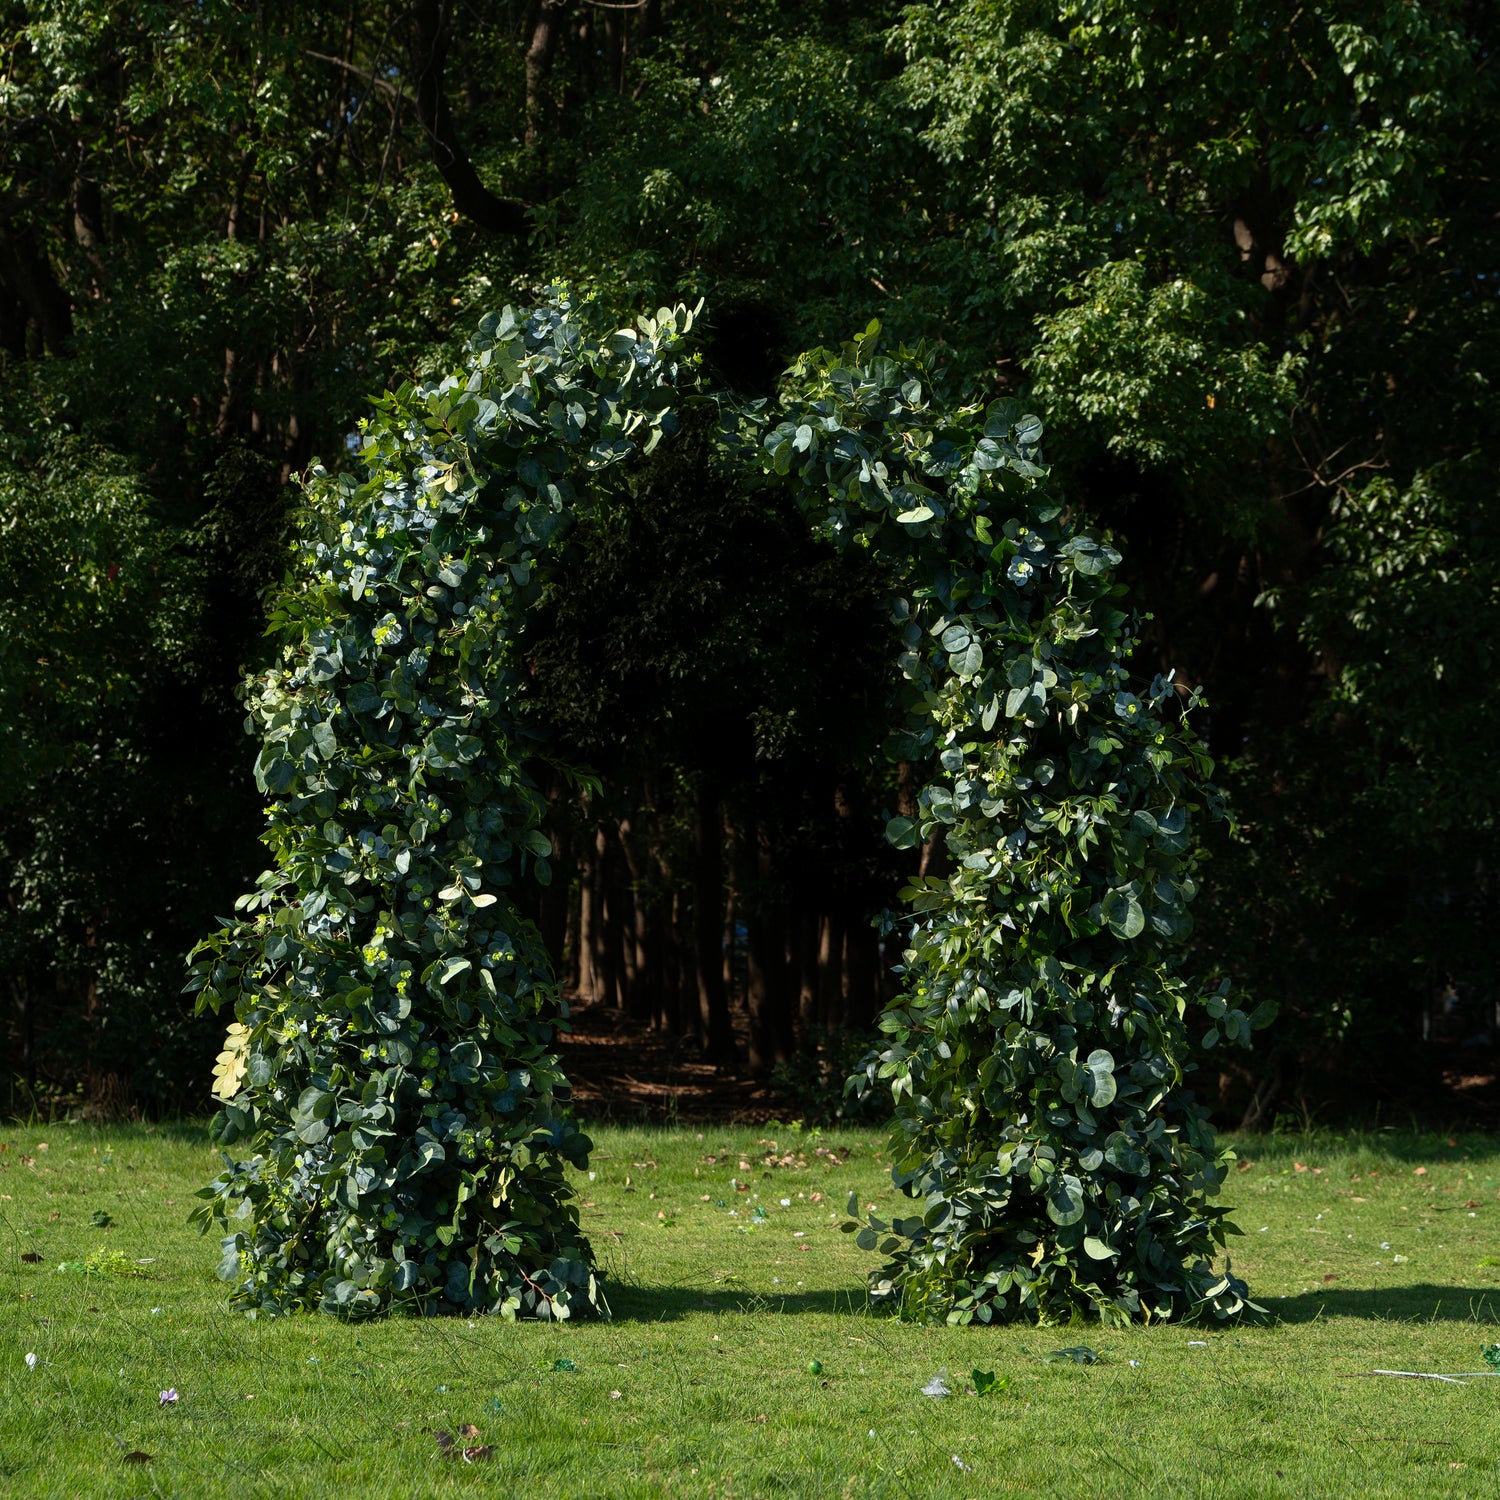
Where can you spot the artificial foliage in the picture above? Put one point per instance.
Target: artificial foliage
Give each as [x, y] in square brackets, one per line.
[1038, 1057]
[394, 1120]
[393, 1115]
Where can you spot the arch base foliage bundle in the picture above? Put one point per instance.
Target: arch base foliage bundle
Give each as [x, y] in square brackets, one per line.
[394, 1119]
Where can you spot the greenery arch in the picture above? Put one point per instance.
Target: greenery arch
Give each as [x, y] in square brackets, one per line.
[393, 1117]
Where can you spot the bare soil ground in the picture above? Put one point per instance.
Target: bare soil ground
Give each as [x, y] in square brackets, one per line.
[623, 1071]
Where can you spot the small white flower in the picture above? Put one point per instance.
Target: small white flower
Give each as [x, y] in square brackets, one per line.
[787, 1203]
[31, 1361]
[959, 1463]
[1385, 1244]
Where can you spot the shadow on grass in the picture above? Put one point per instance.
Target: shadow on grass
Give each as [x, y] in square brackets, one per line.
[668, 1304]
[1407, 1146]
[1421, 1303]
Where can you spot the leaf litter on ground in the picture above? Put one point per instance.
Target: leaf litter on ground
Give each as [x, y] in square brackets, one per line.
[471, 1453]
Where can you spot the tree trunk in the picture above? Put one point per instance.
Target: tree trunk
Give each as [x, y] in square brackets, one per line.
[714, 1025]
[25, 271]
[570, 974]
[470, 196]
[642, 977]
[588, 921]
[612, 923]
[806, 931]
[830, 968]
[539, 64]
[552, 905]
[767, 989]
[860, 1006]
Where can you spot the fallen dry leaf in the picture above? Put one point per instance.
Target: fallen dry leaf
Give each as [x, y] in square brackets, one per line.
[468, 1430]
[31, 1257]
[1419, 1172]
[1299, 1166]
[478, 1454]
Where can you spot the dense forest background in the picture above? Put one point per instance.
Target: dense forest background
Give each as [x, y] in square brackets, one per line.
[1243, 260]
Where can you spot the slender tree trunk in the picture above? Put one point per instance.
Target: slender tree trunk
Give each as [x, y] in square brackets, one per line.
[806, 925]
[588, 920]
[26, 272]
[715, 1027]
[552, 900]
[615, 33]
[830, 968]
[539, 64]
[570, 974]
[612, 924]
[768, 1000]
[642, 977]
[864, 968]
[470, 196]
[683, 986]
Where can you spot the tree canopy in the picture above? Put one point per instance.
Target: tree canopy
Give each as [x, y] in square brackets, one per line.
[1243, 264]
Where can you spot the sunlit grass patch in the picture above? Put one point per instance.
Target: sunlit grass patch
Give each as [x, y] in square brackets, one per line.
[730, 1281]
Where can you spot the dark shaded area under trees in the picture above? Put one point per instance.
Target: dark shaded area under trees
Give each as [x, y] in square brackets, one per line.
[1243, 263]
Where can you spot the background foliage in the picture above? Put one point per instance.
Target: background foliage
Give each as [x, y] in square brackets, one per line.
[1243, 262]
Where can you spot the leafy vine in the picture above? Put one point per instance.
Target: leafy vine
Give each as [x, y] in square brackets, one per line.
[394, 1118]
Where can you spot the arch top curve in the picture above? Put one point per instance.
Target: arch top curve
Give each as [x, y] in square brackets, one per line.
[393, 1115]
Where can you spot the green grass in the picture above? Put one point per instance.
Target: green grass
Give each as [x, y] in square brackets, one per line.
[700, 1384]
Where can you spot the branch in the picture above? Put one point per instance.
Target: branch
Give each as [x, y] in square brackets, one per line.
[470, 196]
[384, 85]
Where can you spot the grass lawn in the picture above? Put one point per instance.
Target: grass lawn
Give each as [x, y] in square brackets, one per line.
[1371, 1251]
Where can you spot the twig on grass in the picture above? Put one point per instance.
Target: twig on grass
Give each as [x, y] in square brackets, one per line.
[1424, 1442]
